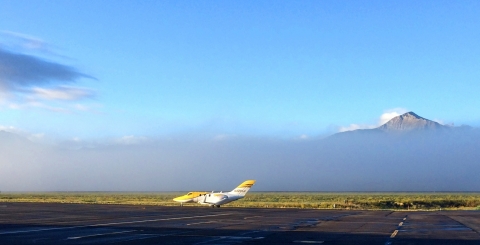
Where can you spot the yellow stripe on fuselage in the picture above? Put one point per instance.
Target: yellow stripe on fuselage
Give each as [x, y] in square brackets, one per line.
[188, 196]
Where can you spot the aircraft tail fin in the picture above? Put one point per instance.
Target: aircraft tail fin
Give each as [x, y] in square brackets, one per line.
[243, 188]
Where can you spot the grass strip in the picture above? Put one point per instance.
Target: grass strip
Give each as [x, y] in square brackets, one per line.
[310, 200]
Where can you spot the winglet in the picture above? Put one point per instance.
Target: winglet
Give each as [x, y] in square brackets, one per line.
[243, 188]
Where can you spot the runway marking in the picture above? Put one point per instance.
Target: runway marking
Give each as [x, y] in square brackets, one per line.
[27, 231]
[248, 232]
[140, 237]
[389, 241]
[113, 223]
[439, 229]
[206, 222]
[309, 242]
[252, 217]
[230, 237]
[101, 234]
[154, 220]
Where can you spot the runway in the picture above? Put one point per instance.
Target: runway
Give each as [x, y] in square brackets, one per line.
[37, 223]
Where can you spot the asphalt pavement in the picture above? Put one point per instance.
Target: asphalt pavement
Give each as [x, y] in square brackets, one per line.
[43, 223]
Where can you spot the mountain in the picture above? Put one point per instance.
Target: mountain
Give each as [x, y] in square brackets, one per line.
[8, 138]
[408, 152]
[406, 124]
[411, 121]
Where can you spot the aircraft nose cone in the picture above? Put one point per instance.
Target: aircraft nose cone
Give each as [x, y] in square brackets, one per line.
[178, 199]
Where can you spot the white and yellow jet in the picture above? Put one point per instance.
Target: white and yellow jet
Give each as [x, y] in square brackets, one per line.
[215, 199]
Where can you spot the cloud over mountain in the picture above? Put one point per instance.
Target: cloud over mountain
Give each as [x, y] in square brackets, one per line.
[385, 117]
[361, 160]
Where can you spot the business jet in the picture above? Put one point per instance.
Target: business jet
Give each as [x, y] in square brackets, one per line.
[215, 199]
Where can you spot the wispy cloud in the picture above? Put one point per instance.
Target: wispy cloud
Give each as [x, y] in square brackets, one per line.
[15, 40]
[29, 80]
[19, 71]
[354, 126]
[131, 140]
[63, 93]
[37, 104]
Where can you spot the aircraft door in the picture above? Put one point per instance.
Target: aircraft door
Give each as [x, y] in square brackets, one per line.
[202, 198]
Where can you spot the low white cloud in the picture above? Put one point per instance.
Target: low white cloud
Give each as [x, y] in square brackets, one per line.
[130, 140]
[223, 137]
[303, 137]
[352, 127]
[389, 114]
[11, 129]
[62, 93]
[36, 137]
[81, 107]
[309, 165]
[37, 104]
[442, 122]
[13, 39]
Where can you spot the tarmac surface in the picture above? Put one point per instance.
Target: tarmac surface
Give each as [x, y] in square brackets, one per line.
[37, 223]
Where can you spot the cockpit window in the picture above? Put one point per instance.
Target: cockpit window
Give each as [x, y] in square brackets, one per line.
[189, 194]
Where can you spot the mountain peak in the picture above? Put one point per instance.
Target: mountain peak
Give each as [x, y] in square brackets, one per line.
[410, 121]
[411, 114]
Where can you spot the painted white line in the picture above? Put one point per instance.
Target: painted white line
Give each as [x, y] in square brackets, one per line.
[206, 222]
[172, 234]
[139, 237]
[394, 234]
[154, 220]
[248, 232]
[114, 223]
[209, 241]
[102, 234]
[230, 237]
[27, 231]
[309, 242]
[252, 217]
[240, 237]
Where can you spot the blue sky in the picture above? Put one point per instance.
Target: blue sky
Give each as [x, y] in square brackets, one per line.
[103, 69]
[128, 95]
